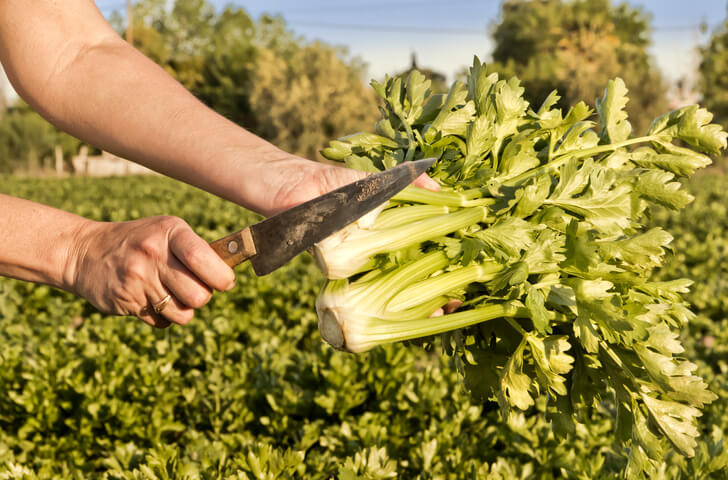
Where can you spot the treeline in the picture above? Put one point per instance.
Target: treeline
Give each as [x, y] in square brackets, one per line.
[28, 143]
[259, 74]
[576, 47]
[300, 94]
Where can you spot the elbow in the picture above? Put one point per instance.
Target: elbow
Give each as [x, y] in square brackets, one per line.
[48, 86]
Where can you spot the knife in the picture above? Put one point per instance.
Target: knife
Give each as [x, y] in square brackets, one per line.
[273, 242]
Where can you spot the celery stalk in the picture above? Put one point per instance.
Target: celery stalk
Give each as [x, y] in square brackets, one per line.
[442, 284]
[342, 259]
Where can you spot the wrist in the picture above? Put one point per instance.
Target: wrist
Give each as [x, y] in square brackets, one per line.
[263, 175]
[77, 241]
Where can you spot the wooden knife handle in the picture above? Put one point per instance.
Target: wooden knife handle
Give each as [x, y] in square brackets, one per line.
[235, 248]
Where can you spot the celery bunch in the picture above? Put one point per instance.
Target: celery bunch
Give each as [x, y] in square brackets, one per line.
[539, 232]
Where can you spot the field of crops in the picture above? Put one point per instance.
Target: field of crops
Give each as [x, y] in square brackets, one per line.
[249, 390]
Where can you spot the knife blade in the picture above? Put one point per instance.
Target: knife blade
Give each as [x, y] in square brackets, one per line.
[273, 242]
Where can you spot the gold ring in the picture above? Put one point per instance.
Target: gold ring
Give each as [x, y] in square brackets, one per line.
[158, 307]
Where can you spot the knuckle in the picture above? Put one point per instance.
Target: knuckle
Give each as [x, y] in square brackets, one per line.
[135, 269]
[227, 281]
[222, 280]
[151, 246]
[120, 300]
[169, 222]
[199, 298]
[196, 257]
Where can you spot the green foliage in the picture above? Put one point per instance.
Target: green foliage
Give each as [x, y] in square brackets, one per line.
[249, 390]
[296, 94]
[28, 142]
[587, 324]
[293, 93]
[302, 101]
[575, 46]
[713, 71]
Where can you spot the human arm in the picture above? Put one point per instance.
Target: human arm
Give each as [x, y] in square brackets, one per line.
[66, 62]
[121, 268]
[84, 78]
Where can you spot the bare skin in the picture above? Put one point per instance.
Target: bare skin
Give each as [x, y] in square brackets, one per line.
[66, 61]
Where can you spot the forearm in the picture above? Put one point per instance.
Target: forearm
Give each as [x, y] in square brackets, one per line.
[38, 243]
[88, 81]
[85, 79]
[121, 268]
[139, 112]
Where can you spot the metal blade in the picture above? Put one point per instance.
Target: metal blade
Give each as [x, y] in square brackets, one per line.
[283, 236]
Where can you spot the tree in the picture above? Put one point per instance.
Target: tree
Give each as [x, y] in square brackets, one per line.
[713, 74]
[296, 94]
[575, 46]
[302, 102]
[176, 38]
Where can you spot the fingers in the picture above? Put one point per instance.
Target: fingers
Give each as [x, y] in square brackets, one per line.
[191, 271]
[424, 181]
[344, 176]
[161, 313]
[449, 307]
[154, 320]
[130, 267]
[347, 175]
[173, 312]
[304, 180]
[201, 260]
[184, 285]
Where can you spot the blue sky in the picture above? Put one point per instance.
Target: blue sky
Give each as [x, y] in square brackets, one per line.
[446, 34]
[461, 29]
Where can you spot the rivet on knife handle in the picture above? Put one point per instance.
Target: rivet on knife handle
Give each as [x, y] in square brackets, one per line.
[236, 247]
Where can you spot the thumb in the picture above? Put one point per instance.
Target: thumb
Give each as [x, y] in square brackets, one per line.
[341, 176]
[335, 177]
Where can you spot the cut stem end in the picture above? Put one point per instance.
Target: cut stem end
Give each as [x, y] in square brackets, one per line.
[331, 330]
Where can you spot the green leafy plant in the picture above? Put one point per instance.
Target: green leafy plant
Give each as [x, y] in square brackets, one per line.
[546, 244]
[712, 71]
[88, 396]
